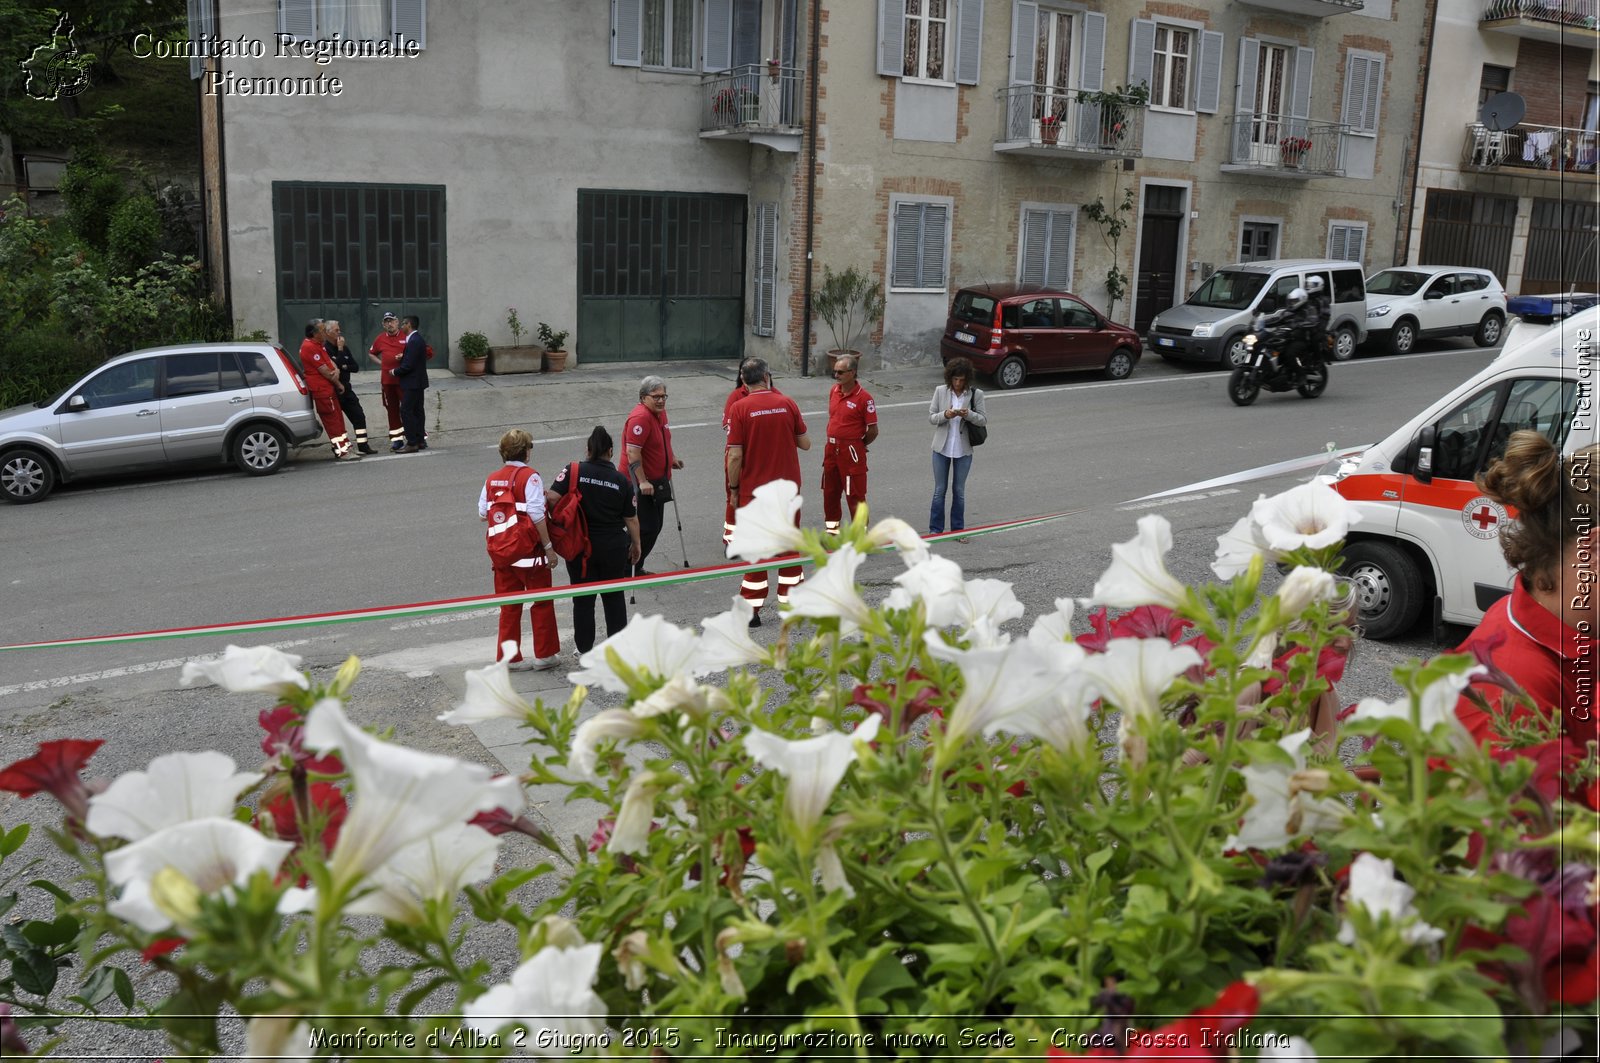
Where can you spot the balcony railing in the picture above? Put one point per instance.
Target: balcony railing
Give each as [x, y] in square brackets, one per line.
[1531, 147]
[759, 98]
[1278, 145]
[1308, 8]
[1545, 20]
[1040, 120]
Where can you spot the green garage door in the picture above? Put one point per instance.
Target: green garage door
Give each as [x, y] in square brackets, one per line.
[660, 276]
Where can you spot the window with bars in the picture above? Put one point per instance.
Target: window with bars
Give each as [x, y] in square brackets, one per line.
[1347, 241]
[1169, 86]
[919, 245]
[1045, 246]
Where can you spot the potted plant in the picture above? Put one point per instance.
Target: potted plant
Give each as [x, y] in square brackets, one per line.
[1049, 130]
[554, 342]
[517, 358]
[848, 302]
[1294, 150]
[474, 348]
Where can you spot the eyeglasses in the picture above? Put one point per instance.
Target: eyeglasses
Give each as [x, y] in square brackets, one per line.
[843, 372]
[662, 397]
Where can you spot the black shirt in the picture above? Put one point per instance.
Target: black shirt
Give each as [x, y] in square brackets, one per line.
[607, 498]
[345, 361]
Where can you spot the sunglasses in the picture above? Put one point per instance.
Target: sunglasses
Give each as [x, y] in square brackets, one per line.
[843, 372]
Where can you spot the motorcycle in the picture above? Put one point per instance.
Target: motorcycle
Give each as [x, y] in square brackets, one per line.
[1267, 367]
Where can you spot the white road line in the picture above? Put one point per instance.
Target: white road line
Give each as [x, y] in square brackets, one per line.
[431, 621]
[1195, 497]
[117, 673]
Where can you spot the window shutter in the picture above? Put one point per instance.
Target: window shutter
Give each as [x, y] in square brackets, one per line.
[1208, 85]
[298, 19]
[718, 40]
[1058, 261]
[766, 268]
[1035, 247]
[1141, 52]
[1374, 93]
[627, 32]
[931, 274]
[969, 40]
[1336, 243]
[1355, 243]
[892, 38]
[904, 273]
[1300, 93]
[1094, 52]
[202, 27]
[409, 19]
[1244, 100]
[1024, 36]
[747, 33]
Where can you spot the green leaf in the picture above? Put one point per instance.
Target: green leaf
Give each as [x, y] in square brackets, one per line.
[34, 971]
[60, 931]
[1098, 859]
[95, 988]
[55, 891]
[123, 985]
[11, 840]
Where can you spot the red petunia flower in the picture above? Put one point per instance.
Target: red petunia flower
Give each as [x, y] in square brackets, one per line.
[283, 727]
[920, 705]
[55, 769]
[160, 947]
[326, 798]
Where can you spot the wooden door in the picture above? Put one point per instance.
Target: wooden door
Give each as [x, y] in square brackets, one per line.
[1159, 229]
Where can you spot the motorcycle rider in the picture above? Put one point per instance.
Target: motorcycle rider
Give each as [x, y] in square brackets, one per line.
[1299, 316]
[1322, 302]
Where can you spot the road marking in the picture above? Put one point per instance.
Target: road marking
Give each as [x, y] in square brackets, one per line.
[1198, 496]
[430, 621]
[125, 670]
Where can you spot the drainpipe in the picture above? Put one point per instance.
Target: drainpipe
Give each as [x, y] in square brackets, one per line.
[1402, 253]
[811, 183]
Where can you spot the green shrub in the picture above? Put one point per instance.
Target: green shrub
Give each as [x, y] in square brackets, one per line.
[91, 190]
[134, 234]
[35, 363]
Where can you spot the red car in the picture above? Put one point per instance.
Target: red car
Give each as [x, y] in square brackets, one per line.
[1012, 330]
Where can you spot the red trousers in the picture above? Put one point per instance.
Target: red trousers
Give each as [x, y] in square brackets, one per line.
[391, 406]
[542, 615]
[753, 586]
[844, 471]
[328, 412]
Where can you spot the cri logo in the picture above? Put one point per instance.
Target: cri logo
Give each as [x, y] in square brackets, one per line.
[57, 69]
[1482, 517]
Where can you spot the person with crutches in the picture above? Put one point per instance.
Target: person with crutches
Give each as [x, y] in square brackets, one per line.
[649, 462]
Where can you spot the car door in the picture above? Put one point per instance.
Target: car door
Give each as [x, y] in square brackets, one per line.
[1039, 333]
[1084, 344]
[202, 392]
[1435, 311]
[112, 422]
[1469, 303]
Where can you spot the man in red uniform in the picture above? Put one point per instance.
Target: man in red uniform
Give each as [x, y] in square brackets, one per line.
[852, 426]
[765, 436]
[740, 390]
[648, 461]
[386, 348]
[322, 380]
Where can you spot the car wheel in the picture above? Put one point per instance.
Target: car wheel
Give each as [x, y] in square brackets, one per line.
[26, 476]
[1316, 382]
[1388, 587]
[1010, 374]
[1404, 336]
[1243, 386]
[1344, 344]
[260, 450]
[1120, 367]
[1489, 330]
[1235, 353]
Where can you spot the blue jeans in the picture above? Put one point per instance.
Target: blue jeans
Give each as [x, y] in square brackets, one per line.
[958, 495]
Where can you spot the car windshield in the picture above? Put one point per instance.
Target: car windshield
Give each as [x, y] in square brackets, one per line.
[1229, 290]
[1397, 282]
[973, 308]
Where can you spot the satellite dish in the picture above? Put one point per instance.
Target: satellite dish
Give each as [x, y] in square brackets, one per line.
[1502, 111]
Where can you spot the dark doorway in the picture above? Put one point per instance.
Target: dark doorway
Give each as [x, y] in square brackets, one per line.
[1467, 229]
[1160, 223]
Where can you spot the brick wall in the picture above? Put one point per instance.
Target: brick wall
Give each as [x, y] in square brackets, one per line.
[1554, 80]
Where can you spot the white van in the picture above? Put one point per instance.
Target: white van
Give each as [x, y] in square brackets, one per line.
[1425, 532]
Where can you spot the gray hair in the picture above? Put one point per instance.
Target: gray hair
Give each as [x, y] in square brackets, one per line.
[649, 384]
[330, 323]
[754, 371]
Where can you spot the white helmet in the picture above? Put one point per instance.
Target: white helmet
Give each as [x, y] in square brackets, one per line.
[1297, 299]
[1314, 285]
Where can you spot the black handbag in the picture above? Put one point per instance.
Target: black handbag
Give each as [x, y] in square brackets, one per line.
[663, 489]
[977, 433]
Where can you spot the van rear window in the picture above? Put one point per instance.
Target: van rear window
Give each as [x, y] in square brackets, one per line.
[973, 307]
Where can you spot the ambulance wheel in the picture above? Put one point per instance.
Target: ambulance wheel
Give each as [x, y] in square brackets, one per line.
[1010, 374]
[260, 450]
[26, 476]
[1388, 587]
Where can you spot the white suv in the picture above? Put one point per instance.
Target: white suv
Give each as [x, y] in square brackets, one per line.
[1408, 302]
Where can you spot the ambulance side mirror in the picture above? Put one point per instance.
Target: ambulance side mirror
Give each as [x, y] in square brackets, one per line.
[1419, 455]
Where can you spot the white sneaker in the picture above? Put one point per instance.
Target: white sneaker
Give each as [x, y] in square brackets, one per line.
[524, 665]
[544, 664]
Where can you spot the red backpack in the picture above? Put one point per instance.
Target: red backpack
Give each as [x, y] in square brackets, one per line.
[569, 528]
[511, 535]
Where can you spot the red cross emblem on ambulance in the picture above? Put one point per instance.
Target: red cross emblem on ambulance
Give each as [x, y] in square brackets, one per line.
[1482, 517]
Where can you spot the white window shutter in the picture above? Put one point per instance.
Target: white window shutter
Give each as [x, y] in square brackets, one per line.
[202, 27]
[1373, 91]
[1035, 247]
[1141, 52]
[934, 216]
[1355, 243]
[1058, 262]
[1208, 84]
[1300, 92]
[1244, 101]
[969, 40]
[1336, 243]
[627, 32]
[298, 19]
[1024, 38]
[718, 41]
[409, 19]
[892, 38]
[766, 268]
[1094, 52]
[1353, 113]
[904, 270]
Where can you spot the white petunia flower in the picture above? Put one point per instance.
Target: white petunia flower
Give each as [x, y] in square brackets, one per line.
[895, 532]
[1050, 628]
[1302, 587]
[936, 583]
[1132, 674]
[402, 795]
[177, 788]
[813, 766]
[205, 856]
[1061, 717]
[1312, 515]
[1238, 546]
[631, 832]
[831, 593]
[489, 695]
[677, 696]
[617, 724]
[767, 526]
[647, 644]
[257, 670]
[434, 868]
[1002, 688]
[1437, 704]
[1138, 573]
[1374, 887]
[725, 641]
[1279, 812]
[552, 994]
[831, 871]
[988, 600]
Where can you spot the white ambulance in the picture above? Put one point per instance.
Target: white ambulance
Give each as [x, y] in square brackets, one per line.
[1425, 532]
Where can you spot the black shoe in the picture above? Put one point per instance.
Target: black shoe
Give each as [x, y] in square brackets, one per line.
[755, 619]
[643, 572]
[365, 449]
[409, 449]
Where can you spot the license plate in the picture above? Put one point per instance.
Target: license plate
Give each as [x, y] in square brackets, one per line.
[1162, 341]
[966, 337]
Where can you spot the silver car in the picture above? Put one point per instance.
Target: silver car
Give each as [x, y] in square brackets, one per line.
[244, 403]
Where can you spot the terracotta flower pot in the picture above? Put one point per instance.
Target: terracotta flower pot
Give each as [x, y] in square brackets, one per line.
[555, 361]
[477, 366]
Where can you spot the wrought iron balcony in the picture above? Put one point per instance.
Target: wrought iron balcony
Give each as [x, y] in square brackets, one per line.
[1555, 21]
[1309, 8]
[1278, 145]
[760, 103]
[1550, 148]
[1069, 124]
